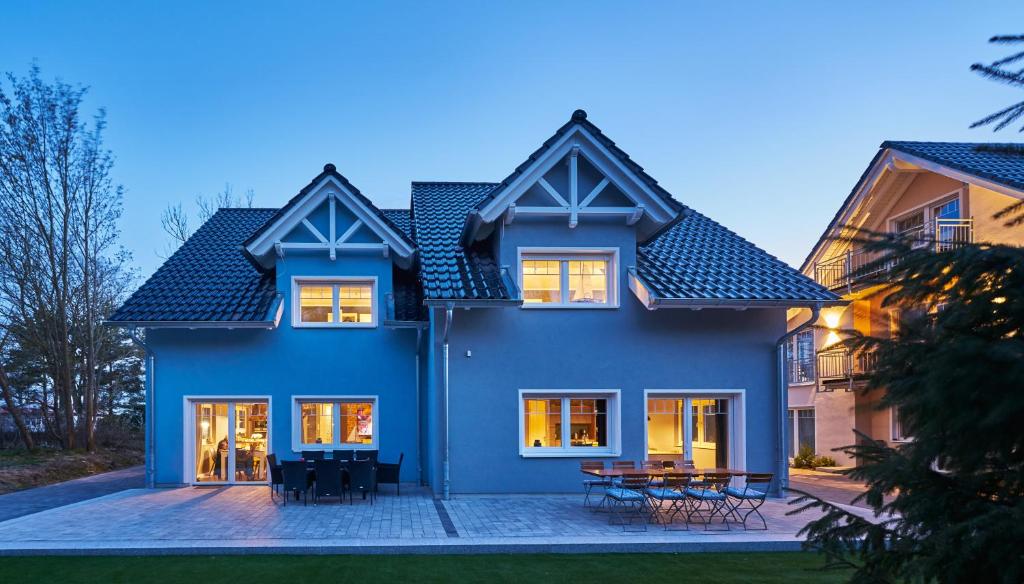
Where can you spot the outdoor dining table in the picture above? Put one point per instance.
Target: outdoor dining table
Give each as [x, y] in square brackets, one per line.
[657, 472]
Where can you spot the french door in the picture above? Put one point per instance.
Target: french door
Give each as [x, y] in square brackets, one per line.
[230, 440]
[697, 428]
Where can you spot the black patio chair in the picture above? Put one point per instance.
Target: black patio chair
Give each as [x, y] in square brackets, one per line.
[590, 483]
[296, 479]
[746, 501]
[370, 455]
[389, 473]
[308, 455]
[706, 499]
[362, 476]
[668, 499]
[276, 478]
[328, 480]
[343, 454]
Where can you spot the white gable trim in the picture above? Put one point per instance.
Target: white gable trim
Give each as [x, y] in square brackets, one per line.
[894, 161]
[579, 140]
[331, 189]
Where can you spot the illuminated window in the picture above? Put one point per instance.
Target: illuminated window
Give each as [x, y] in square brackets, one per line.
[317, 423]
[567, 425]
[335, 302]
[568, 280]
[335, 422]
[665, 426]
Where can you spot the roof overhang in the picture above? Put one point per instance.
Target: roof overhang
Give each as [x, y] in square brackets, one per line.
[271, 321]
[887, 162]
[577, 138]
[651, 301]
[267, 243]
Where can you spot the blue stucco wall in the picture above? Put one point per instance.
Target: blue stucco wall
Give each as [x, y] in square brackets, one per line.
[291, 361]
[629, 348]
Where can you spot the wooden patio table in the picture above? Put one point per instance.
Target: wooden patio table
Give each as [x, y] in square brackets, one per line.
[657, 472]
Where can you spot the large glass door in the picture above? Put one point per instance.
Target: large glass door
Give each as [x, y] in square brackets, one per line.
[231, 441]
[695, 429]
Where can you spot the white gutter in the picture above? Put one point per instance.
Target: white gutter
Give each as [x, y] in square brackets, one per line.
[782, 466]
[150, 408]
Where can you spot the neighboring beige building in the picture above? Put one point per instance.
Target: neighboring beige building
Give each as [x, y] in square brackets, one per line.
[947, 193]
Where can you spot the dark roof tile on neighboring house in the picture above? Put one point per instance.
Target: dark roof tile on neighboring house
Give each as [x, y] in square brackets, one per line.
[977, 159]
[447, 270]
[696, 258]
[208, 278]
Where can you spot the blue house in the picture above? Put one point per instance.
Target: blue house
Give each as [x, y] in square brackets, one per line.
[494, 334]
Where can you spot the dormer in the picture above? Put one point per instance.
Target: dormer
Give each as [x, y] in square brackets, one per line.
[331, 218]
[577, 176]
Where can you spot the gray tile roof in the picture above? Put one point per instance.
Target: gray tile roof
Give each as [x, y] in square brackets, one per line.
[208, 278]
[697, 258]
[447, 270]
[973, 158]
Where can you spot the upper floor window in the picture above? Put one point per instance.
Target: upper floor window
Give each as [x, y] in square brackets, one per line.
[334, 302]
[800, 351]
[574, 279]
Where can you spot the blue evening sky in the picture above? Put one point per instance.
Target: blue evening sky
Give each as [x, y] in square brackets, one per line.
[761, 115]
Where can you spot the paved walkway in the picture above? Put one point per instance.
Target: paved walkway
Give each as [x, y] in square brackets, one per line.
[244, 519]
[39, 499]
[829, 486]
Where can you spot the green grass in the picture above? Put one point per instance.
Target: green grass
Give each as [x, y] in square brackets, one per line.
[720, 568]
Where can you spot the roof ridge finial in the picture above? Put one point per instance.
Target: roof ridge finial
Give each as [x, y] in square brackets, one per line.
[330, 167]
[579, 115]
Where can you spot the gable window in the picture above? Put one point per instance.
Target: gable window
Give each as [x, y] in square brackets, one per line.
[323, 423]
[568, 424]
[581, 279]
[334, 302]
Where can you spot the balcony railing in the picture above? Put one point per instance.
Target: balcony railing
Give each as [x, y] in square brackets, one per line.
[843, 363]
[859, 264]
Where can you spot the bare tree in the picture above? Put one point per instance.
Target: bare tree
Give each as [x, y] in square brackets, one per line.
[176, 223]
[60, 269]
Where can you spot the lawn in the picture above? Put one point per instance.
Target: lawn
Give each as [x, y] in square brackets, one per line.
[720, 568]
[20, 469]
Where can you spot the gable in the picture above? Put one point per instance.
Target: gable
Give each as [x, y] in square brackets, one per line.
[329, 216]
[576, 175]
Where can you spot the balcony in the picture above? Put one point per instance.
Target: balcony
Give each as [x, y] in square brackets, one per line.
[859, 265]
[842, 363]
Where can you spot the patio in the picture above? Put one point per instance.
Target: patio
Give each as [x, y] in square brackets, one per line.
[244, 519]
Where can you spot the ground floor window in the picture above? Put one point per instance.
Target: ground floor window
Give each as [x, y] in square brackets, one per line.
[334, 422]
[899, 434]
[568, 424]
[801, 430]
[689, 428]
[230, 441]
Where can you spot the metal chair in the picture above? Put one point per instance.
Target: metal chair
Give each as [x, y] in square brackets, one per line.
[312, 455]
[370, 455]
[390, 473]
[328, 480]
[707, 499]
[654, 465]
[747, 501]
[343, 454]
[673, 491]
[630, 497]
[590, 483]
[295, 479]
[623, 465]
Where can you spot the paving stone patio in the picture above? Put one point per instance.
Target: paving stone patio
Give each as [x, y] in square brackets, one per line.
[244, 519]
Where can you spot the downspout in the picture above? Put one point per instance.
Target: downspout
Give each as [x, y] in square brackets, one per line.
[446, 484]
[782, 465]
[150, 408]
[419, 413]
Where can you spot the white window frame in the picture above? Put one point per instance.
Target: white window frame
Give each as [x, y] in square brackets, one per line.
[614, 415]
[564, 255]
[337, 400]
[793, 348]
[892, 429]
[926, 209]
[189, 442]
[334, 282]
[794, 428]
[737, 420]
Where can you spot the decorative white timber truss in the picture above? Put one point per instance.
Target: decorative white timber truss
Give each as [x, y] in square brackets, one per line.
[273, 240]
[572, 203]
